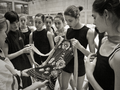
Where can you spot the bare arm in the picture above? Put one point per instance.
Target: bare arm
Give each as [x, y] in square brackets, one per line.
[90, 37]
[115, 64]
[30, 38]
[13, 55]
[16, 54]
[50, 38]
[36, 85]
[77, 44]
[89, 66]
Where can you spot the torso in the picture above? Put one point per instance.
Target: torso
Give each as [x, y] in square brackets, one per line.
[103, 72]
[41, 42]
[26, 34]
[6, 77]
[15, 43]
[81, 36]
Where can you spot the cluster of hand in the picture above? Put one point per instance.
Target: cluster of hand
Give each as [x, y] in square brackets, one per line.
[90, 63]
[91, 59]
[27, 48]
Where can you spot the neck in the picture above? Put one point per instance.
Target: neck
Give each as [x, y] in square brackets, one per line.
[40, 29]
[61, 30]
[77, 26]
[49, 28]
[23, 26]
[114, 39]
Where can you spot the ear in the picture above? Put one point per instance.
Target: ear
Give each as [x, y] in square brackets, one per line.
[78, 16]
[106, 14]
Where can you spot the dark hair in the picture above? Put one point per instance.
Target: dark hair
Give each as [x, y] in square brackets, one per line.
[50, 17]
[41, 15]
[12, 16]
[3, 22]
[112, 6]
[60, 17]
[73, 11]
[59, 13]
[80, 8]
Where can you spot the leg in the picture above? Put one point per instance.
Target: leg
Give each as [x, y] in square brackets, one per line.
[85, 87]
[80, 82]
[65, 80]
[60, 81]
[72, 82]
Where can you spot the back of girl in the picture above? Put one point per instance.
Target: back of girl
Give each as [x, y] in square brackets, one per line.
[41, 38]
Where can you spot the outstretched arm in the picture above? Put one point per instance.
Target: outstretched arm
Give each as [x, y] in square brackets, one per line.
[50, 38]
[36, 85]
[16, 54]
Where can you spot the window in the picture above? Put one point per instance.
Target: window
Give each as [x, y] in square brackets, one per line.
[21, 8]
[5, 6]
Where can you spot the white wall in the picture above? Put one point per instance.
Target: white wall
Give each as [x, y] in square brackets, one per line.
[55, 6]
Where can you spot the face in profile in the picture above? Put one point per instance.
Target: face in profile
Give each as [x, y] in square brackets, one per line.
[14, 26]
[3, 35]
[99, 21]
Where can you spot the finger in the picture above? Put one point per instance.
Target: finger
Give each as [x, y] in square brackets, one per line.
[90, 56]
[94, 61]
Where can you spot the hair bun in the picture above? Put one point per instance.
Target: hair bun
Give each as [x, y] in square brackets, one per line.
[80, 8]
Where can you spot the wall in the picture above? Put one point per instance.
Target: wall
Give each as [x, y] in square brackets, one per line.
[55, 6]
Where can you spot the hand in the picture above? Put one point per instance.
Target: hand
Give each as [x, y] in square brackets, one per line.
[89, 66]
[42, 84]
[36, 64]
[23, 73]
[75, 43]
[57, 39]
[27, 49]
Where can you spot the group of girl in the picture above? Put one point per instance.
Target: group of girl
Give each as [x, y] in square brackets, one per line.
[101, 69]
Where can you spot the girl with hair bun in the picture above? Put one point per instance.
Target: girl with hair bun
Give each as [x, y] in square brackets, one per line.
[85, 36]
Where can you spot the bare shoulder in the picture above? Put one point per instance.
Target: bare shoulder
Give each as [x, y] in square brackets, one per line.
[49, 33]
[115, 61]
[90, 33]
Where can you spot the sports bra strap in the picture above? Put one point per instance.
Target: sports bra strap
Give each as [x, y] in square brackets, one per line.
[114, 51]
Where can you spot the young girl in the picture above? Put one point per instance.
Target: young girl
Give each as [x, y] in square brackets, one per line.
[85, 36]
[42, 39]
[24, 28]
[8, 74]
[48, 23]
[104, 73]
[14, 47]
[60, 24]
